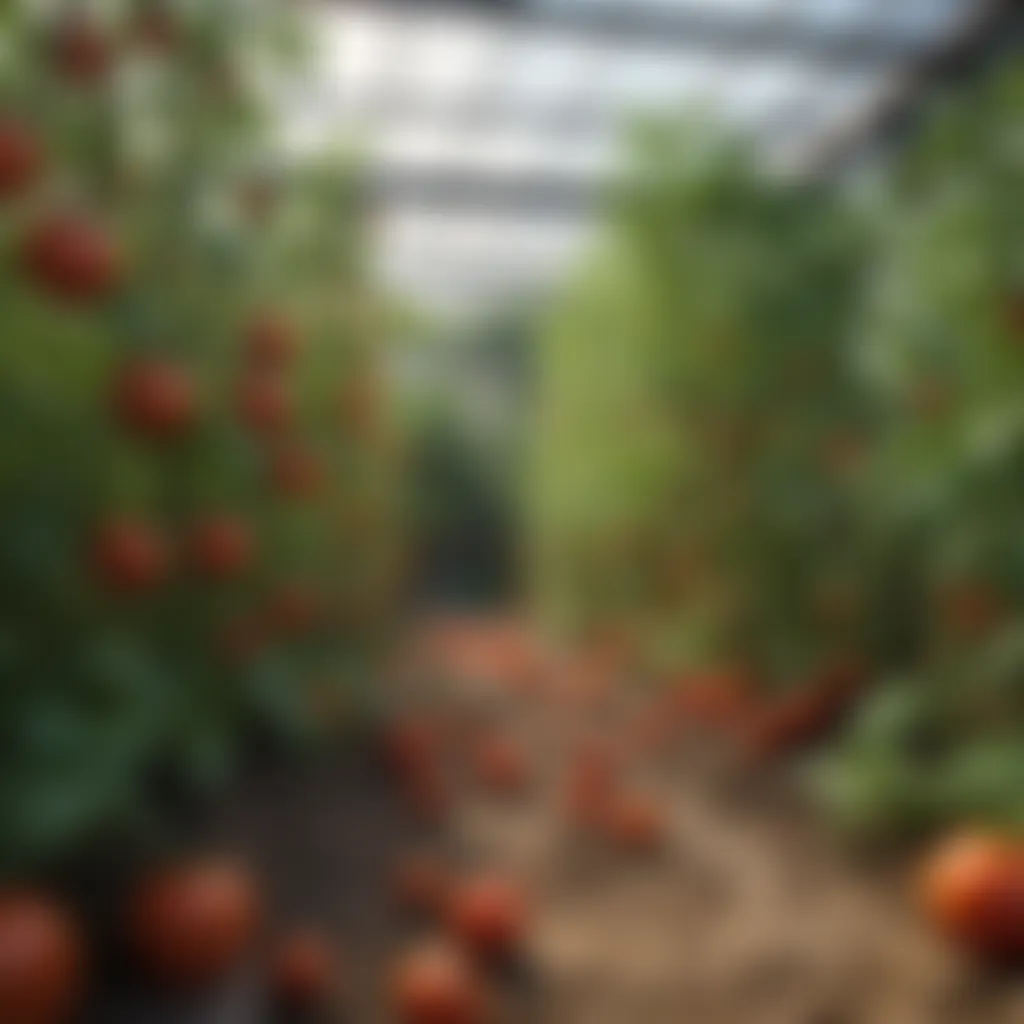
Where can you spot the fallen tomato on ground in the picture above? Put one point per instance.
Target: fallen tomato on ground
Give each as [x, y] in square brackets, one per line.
[971, 888]
[42, 961]
[192, 923]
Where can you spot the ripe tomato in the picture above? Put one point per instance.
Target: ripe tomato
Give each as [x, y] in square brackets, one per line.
[305, 972]
[21, 157]
[82, 53]
[72, 258]
[220, 546]
[296, 472]
[421, 884]
[489, 916]
[410, 743]
[154, 398]
[972, 889]
[271, 341]
[130, 556]
[719, 700]
[41, 960]
[264, 403]
[501, 765]
[592, 779]
[806, 715]
[434, 984]
[635, 823]
[191, 924]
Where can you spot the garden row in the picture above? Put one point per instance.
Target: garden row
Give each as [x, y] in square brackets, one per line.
[197, 516]
[779, 457]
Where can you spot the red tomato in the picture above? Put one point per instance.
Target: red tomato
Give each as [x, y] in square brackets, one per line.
[807, 714]
[501, 765]
[264, 403]
[435, 985]
[305, 973]
[129, 556]
[636, 823]
[721, 700]
[489, 916]
[972, 889]
[271, 341]
[41, 960]
[220, 546]
[72, 258]
[410, 743]
[592, 780]
[421, 884]
[154, 398]
[296, 472]
[21, 157]
[191, 924]
[82, 52]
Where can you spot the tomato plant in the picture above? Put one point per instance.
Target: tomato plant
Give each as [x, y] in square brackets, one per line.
[184, 299]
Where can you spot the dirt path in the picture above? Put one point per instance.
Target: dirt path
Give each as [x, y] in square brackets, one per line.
[750, 915]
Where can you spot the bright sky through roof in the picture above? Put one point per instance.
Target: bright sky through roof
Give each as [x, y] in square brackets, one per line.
[507, 104]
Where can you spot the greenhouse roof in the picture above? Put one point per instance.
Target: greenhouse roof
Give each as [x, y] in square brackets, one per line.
[490, 123]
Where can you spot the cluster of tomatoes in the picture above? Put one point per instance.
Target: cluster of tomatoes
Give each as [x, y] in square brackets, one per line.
[191, 925]
[73, 255]
[730, 702]
[185, 926]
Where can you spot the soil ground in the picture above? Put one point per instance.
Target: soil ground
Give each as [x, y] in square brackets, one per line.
[750, 915]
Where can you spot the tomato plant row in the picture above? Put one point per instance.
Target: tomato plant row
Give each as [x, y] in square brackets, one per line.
[780, 439]
[196, 463]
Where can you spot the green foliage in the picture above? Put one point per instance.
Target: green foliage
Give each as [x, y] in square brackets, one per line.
[944, 354]
[700, 410]
[811, 419]
[174, 153]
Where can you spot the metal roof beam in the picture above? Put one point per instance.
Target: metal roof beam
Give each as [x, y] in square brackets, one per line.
[704, 26]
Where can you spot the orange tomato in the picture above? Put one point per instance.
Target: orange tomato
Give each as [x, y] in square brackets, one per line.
[636, 823]
[489, 916]
[972, 888]
[434, 984]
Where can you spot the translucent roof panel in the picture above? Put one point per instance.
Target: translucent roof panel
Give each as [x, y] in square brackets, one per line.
[509, 113]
